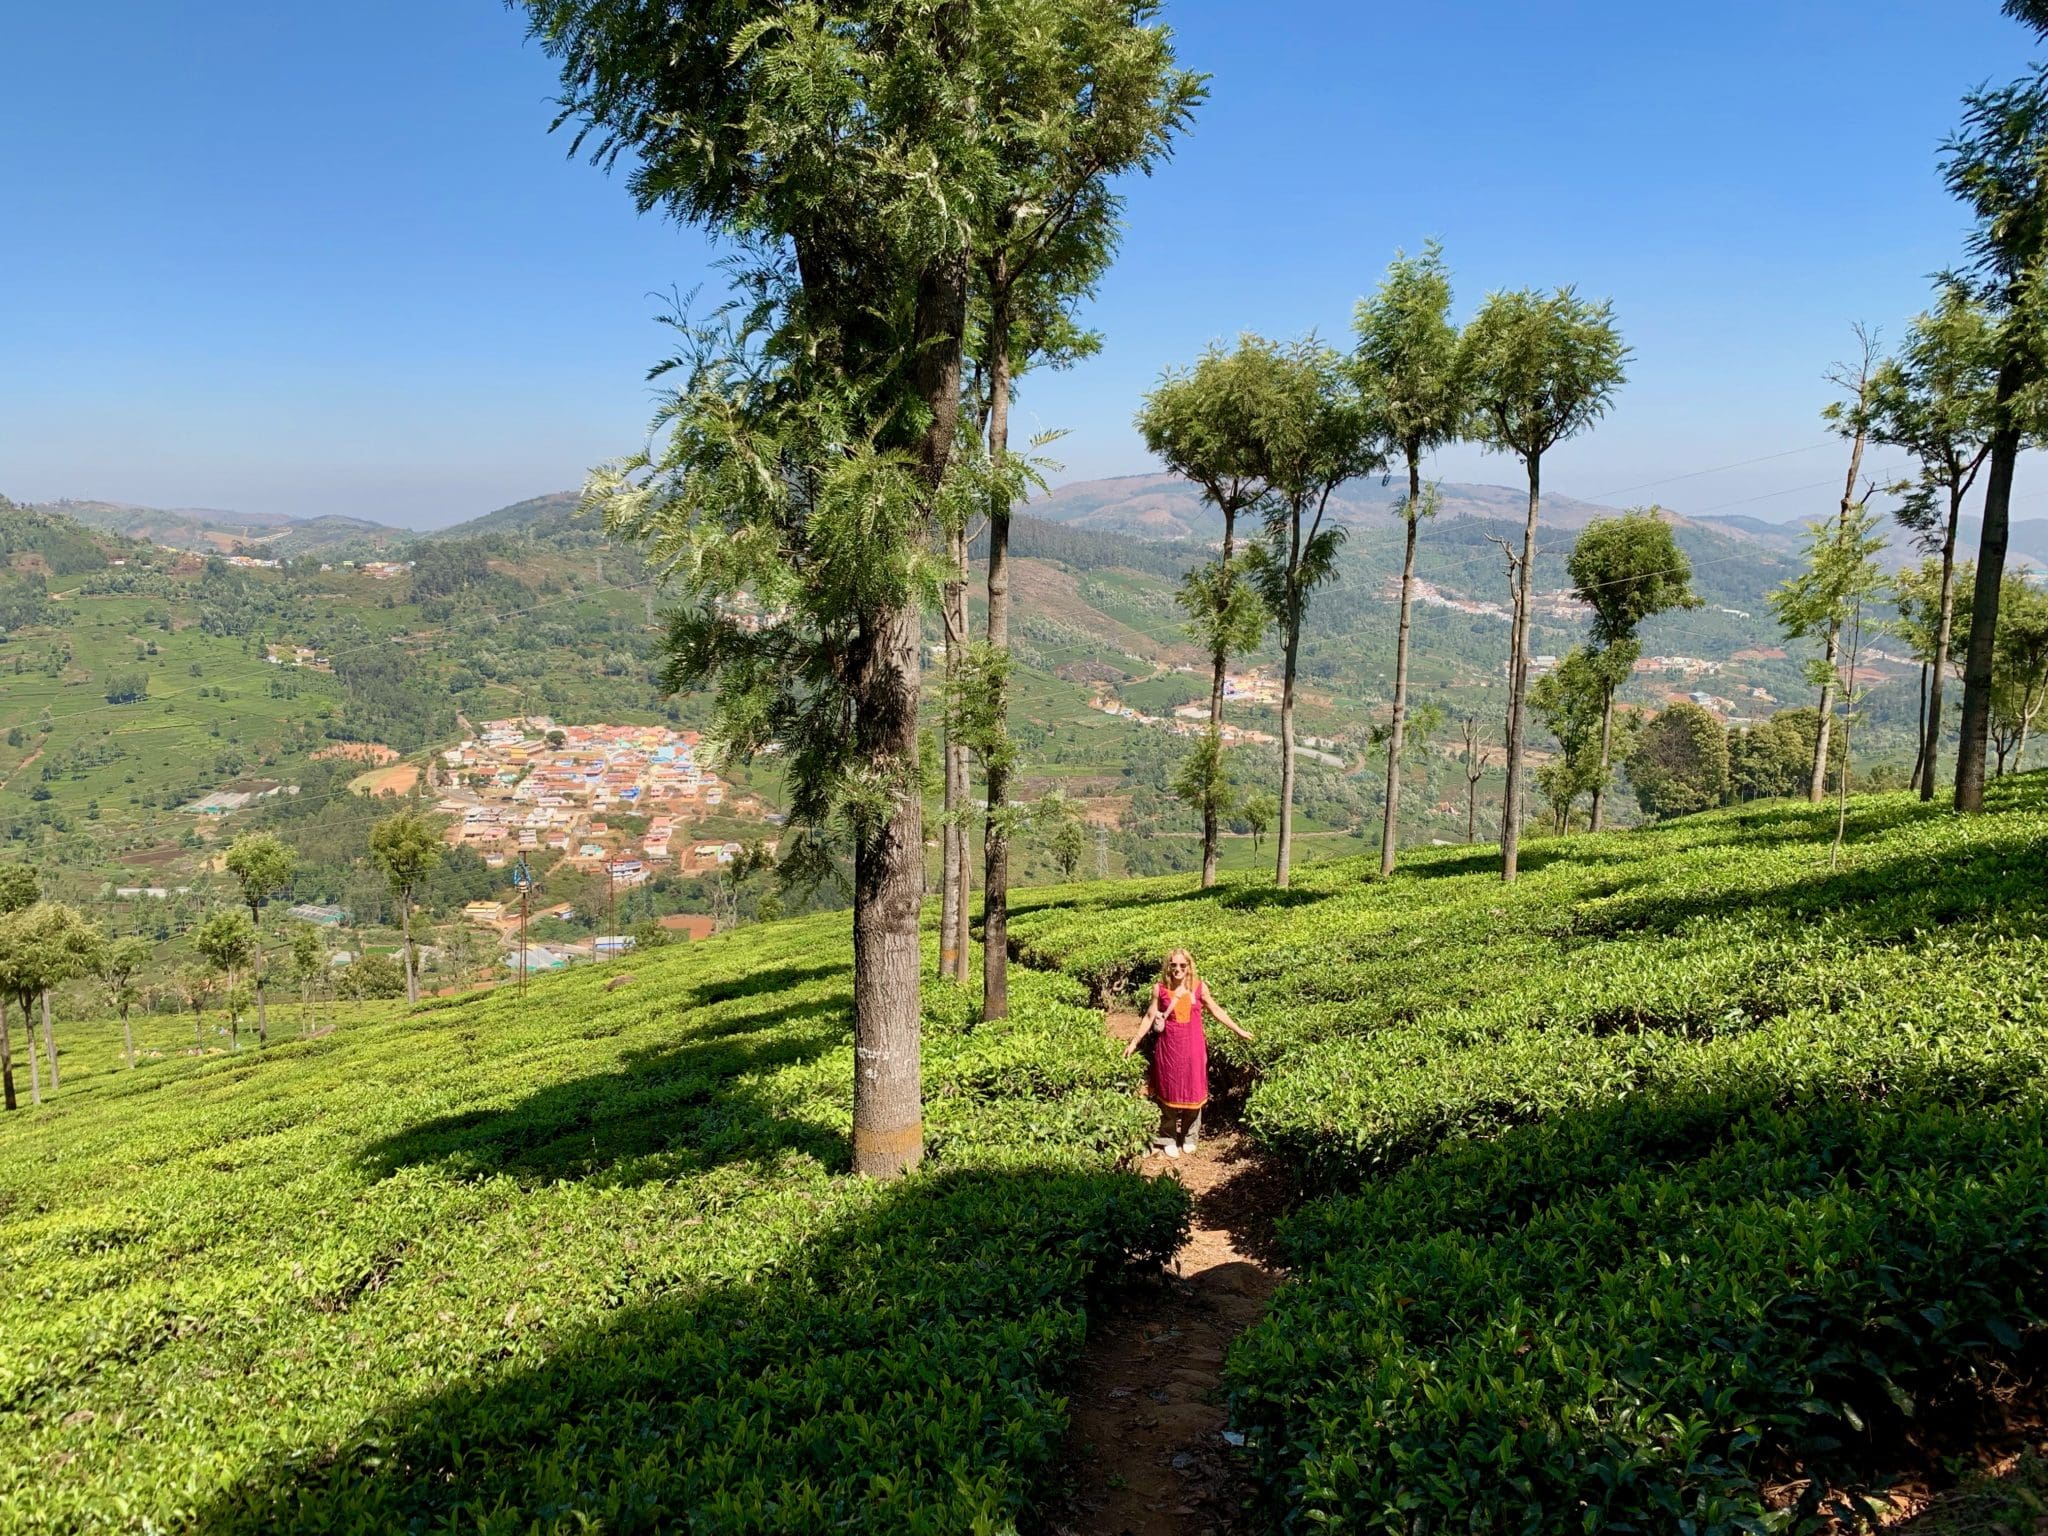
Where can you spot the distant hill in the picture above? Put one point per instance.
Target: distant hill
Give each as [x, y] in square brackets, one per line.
[2027, 537]
[537, 514]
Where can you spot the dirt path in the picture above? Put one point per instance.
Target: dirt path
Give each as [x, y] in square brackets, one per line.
[1146, 1445]
[21, 767]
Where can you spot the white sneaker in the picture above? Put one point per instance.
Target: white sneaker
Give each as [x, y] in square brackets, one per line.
[1172, 1150]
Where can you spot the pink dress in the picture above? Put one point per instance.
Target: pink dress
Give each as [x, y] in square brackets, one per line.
[1180, 1060]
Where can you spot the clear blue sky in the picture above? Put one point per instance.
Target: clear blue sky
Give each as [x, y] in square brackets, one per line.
[307, 259]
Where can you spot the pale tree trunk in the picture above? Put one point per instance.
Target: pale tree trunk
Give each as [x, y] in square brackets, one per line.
[127, 1038]
[28, 1035]
[1817, 787]
[1389, 832]
[262, 1012]
[1920, 772]
[6, 1058]
[995, 877]
[1606, 754]
[1518, 681]
[49, 1040]
[1290, 618]
[1848, 721]
[1977, 665]
[952, 846]
[1944, 634]
[412, 985]
[234, 1012]
[1219, 660]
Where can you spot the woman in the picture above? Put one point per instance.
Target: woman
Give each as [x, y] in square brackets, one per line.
[1180, 1057]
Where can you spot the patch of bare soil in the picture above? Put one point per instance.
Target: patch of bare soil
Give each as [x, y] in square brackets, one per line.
[1146, 1447]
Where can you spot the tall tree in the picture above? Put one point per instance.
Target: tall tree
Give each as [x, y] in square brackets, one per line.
[1314, 434]
[405, 847]
[1937, 400]
[1626, 569]
[1203, 424]
[1474, 762]
[43, 946]
[1916, 599]
[1079, 93]
[1679, 764]
[2022, 658]
[309, 967]
[842, 148]
[1542, 369]
[1573, 702]
[1998, 166]
[120, 962]
[19, 888]
[227, 943]
[263, 866]
[1407, 365]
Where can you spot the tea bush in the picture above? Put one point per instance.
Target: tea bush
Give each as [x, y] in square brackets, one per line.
[586, 1260]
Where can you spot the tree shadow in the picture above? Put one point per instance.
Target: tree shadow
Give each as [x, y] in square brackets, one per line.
[777, 979]
[665, 1113]
[897, 1370]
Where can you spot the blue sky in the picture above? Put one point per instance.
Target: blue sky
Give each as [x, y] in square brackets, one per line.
[313, 259]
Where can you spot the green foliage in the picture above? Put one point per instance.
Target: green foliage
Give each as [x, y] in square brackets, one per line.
[1571, 702]
[1406, 362]
[590, 1258]
[1937, 400]
[1775, 757]
[19, 887]
[1541, 367]
[226, 941]
[43, 946]
[1841, 571]
[263, 867]
[1628, 569]
[1680, 762]
[406, 847]
[369, 978]
[127, 688]
[1203, 781]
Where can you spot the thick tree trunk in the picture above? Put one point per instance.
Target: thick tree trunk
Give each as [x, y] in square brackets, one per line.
[49, 1041]
[412, 983]
[995, 876]
[1518, 682]
[1219, 661]
[1606, 754]
[6, 1059]
[952, 845]
[1944, 632]
[888, 1125]
[1389, 832]
[1976, 724]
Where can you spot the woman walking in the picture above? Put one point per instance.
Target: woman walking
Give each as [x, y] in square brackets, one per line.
[1180, 1056]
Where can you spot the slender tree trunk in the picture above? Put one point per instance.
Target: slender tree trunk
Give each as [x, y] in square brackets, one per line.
[412, 983]
[1848, 720]
[262, 1013]
[234, 1012]
[963, 912]
[49, 1041]
[1606, 753]
[1389, 833]
[1817, 784]
[1921, 771]
[952, 845]
[1977, 665]
[1944, 632]
[28, 1035]
[1518, 683]
[7, 1058]
[127, 1038]
[995, 878]
[1290, 619]
[1219, 660]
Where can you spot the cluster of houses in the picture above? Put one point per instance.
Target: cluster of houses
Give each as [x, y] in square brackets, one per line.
[1189, 720]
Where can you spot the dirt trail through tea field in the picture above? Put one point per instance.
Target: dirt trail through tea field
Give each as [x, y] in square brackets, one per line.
[1146, 1453]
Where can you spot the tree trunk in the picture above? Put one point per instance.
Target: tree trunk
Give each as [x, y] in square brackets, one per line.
[888, 1127]
[1817, 780]
[1848, 721]
[952, 846]
[234, 1014]
[963, 913]
[1976, 724]
[995, 876]
[1219, 669]
[1284, 843]
[412, 985]
[1388, 827]
[1471, 810]
[1518, 681]
[262, 1012]
[127, 1038]
[49, 1040]
[6, 1059]
[1944, 632]
[1606, 753]
[1921, 767]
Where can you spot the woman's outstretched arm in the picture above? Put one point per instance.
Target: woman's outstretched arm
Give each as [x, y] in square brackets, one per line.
[1209, 1002]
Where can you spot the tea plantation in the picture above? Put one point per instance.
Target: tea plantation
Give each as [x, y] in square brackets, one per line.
[1688, 1185]
[1677, 1188]
[582, 1262]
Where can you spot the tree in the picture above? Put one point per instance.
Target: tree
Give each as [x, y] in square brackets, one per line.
[309, 966]
[1774, 758]
[1998, 166]
[1573, 704]
[1203, 424]
[41, 947]
[1626, 569]
[264, 867]
[1916, 597]
[1542, 369]
[2022, 656]
[120, 963]
[841, 147]
[1474, 762]
[1204, 783]
[1084, 91]
[372, 978]
[406, 847]
[19, 888]
[1259, 811]
[1680, 762]
[1407, 365]
[1314, 433]
[226, 942]
[196, 984]
[1937, 400]
[1841, 572]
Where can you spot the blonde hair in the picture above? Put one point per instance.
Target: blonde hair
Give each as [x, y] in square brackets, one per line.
[1166, 969]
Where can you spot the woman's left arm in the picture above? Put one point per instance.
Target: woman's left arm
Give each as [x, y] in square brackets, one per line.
[1209, 1002]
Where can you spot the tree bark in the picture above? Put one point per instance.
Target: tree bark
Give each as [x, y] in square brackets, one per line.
[1290, 617]
[1944, 632]
[995, 878]
[6, 1059]
[49, 1041]
[262, 1012]
[1606, 753]
[952, 846]
[1976, 723]
[1518, 681]
[1921, 767]
[1817, 785]
[28, 1035]
[1388, 827]
[412, 986]
[1219, 660]
[127, 1038]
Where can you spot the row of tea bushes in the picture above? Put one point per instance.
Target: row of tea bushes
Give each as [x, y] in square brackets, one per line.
[586, 1260]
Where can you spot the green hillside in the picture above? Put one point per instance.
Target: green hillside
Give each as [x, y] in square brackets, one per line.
[1686, 1174]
